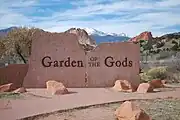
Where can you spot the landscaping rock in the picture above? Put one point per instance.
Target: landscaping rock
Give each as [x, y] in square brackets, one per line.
[156, 83]
[123, 85]
[20, 90]
[164, 82]
[130, 111]
[56, 88]
[6, 87]
[144, 88]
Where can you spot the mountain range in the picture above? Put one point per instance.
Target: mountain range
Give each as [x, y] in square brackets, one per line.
[97, 35]
[100, 36]
[3, 32]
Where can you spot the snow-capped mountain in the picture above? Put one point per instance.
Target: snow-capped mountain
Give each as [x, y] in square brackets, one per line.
[92, 31]
[100, 36]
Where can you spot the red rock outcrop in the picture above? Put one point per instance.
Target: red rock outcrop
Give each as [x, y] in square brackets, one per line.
[157, 83]
[56, 88]
[84, 39]
[144, 88]
[143, 36]
[130, 111]
[124, 86]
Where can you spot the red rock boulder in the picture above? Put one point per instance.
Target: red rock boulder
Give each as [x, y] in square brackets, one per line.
[130, 111]
[56, 88]
[144, 88]
[7, 87]
[156, 83]
[20, 90]
[164, 82]
[124, 86]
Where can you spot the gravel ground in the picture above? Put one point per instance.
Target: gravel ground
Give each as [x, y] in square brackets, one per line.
[167, 109]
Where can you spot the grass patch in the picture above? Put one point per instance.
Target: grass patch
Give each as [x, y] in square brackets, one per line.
[163, 109]
[10, 95]
[159, 109]
[154, 73]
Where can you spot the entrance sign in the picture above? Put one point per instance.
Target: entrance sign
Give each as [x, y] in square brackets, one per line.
[113, 61]
[60, 57]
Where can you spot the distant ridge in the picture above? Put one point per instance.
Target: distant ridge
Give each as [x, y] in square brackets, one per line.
[97, 35]
[3, 32]
[100, 36]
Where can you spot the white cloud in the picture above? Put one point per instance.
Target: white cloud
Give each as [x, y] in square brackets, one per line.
[168, 3]
[17, 3]
[133, 16]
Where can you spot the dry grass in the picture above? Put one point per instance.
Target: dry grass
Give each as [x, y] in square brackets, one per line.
[162, 109]
[168, 109]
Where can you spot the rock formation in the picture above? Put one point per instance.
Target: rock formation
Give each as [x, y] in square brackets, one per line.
[143, 36]
[84, 39]
[124, 86]
[56, 88]
[130, 111]
[145, 88]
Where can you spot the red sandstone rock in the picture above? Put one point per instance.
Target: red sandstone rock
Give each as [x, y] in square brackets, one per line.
[123, 85]
[156, 83]
[130, 111]
[6, 87]
[56, 88]
[143, 36]
[20, 90]
[83, 38]
[144, 88]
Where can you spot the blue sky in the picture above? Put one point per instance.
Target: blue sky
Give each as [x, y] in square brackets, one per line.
[116, 16]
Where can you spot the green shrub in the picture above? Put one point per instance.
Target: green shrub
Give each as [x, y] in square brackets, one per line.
[144, 78]
[158, 73]
[171, 75]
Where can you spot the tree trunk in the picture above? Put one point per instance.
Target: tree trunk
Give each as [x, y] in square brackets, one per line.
[19, 53]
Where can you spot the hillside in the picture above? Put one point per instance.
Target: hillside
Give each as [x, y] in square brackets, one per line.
[162, 47]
